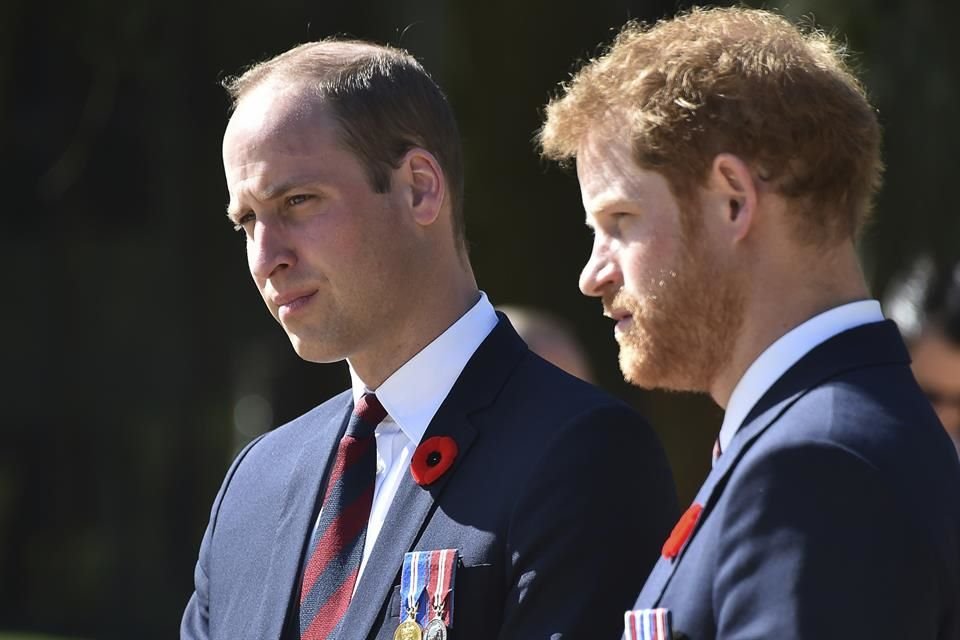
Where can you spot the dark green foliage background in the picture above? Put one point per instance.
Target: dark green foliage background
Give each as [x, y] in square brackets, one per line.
[132, 328]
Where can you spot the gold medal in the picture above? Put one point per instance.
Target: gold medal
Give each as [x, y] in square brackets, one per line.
[435, 630]
[409, 630]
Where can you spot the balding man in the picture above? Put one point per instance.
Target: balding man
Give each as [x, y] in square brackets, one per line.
[463, 487]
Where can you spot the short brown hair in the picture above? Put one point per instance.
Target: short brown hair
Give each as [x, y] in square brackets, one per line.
[735, 80]
[384, 101]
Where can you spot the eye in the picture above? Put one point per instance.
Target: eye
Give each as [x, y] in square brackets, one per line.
[244, 220]
[294, 200]
[612, 221]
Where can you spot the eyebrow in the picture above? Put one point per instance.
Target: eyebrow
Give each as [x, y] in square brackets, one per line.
[275, 190]
[606, 205]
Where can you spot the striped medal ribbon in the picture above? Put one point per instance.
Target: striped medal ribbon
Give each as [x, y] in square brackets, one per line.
[413, 579]
[443, 566]
[647, 624]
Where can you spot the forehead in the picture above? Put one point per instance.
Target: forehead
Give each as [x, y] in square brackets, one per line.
[278, 139]
[283, 119]
[609, 175]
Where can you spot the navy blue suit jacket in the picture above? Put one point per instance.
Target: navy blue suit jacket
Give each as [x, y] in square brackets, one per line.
[559, 497]
[835, 512]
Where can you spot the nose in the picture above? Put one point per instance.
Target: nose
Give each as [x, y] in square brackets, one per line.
[268, 250]
[601, 271]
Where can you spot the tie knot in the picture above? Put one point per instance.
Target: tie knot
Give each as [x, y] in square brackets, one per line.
[367, 415]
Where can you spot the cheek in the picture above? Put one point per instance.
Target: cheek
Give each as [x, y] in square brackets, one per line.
[339, 232]
[257, 280]
[251, 260]
[645, 264]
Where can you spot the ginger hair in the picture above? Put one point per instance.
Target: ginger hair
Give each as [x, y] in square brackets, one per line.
[740, 81]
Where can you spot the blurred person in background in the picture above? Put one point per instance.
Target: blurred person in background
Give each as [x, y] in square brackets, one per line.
[925, 304]
[727, 161]
[550, 338]
[345, 174]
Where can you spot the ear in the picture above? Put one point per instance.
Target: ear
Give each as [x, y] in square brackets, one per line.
[424, 186]
[733, 190]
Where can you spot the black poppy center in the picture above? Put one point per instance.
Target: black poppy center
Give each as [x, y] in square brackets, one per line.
[433, 459]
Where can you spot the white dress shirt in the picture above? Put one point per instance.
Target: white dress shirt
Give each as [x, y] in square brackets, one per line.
[411, 396]
[786, 352]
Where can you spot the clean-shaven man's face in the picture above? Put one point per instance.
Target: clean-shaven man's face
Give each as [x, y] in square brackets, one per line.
[328, 253]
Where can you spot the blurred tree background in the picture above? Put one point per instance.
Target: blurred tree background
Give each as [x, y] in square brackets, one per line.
[139, 356]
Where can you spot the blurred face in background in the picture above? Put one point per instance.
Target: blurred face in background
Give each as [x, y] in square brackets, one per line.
[677, 307]
[936, 365]
[329, 255]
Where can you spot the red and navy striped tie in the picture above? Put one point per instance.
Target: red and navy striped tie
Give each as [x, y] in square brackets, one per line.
[337, 546]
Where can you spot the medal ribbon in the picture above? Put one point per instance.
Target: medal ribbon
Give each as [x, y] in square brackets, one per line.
[413, 581]
[443, 566]
[647, 624]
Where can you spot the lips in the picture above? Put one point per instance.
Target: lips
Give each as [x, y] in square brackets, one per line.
[621, 317]
[291, 302]
[616, 314]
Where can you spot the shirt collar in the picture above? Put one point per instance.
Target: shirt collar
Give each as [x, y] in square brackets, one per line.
[414, 392]
[786, 352]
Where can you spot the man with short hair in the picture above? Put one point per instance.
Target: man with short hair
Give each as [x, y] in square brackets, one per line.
[510, 480]
[727, 161]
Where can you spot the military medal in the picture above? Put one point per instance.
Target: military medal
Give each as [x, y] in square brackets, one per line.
[440, 592]
[408, 629]
[436, 629]
[416, 571]
[647, 624]
[431, 572]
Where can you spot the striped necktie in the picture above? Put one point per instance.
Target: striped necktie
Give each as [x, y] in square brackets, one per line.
[337, 545]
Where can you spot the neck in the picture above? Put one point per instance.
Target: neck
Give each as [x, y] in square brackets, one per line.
[442, 302]
[829, 279]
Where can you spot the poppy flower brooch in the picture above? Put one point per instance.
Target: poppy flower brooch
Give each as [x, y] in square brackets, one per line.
[432, 459]
[681, 532]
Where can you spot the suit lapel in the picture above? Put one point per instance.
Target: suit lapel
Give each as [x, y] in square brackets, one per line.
[476, 388]
[868, 345]
[297, 513]
[707, 497]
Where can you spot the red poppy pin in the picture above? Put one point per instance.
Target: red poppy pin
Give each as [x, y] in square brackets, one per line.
[683, 529]
[432, 459]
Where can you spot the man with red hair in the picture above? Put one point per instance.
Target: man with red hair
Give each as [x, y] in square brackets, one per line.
[727, 161]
